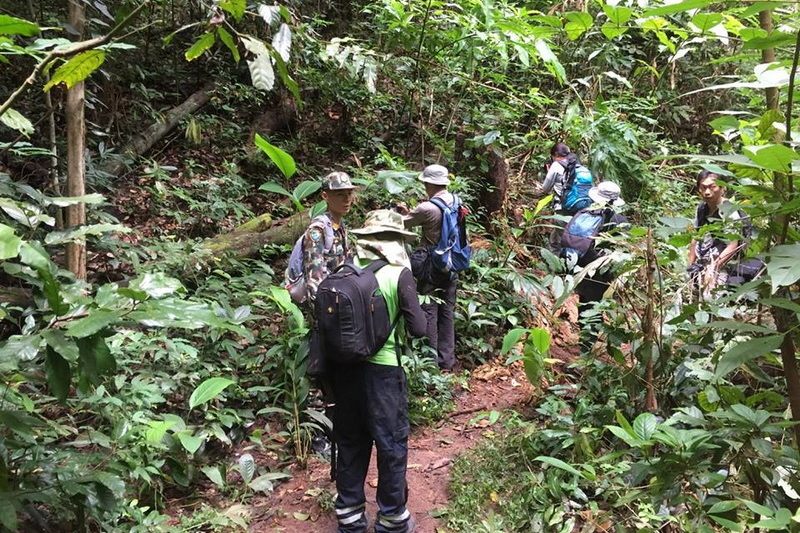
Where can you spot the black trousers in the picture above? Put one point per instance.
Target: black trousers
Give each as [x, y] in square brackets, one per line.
[371, 408]
[590, 290]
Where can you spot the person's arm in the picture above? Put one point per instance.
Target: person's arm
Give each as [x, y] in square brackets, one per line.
[556, 170]
[727, 254]
[315, 268]
[692, 252]
[416, 321]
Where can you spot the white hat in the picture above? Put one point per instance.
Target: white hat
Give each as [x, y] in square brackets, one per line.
[435, 175]
[606, 192]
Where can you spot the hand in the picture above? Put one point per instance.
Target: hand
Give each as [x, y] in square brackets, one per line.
[401, 208]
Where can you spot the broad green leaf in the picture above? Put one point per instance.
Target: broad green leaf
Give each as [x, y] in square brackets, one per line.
[158, 428]
[202, 44]
[215, 475]
[261, 72]
[13, 26]
[79, 234]
[550, 59]
[645, 425]
[34, 255]
[725, 123]
[539, 338]
[759, 509]
[56, 340]
[8, 512]
[776, 39]
[16, 121]
[227, 40]
[281, 296]
[611, 30]
[157, 285]
[275, 188]
[282, 41]
[723, 506]
[578, 23]
[729, 525]
[10, 244]
[512, 338]
[189, 442]
[247, 467]
[288, 81]
[558, 463]
[59, 375]
[630, 440]
[208, 390]
[282, 160]
[94, 359]
[686, 5]
[77, 69]
[746, 351]
[783, 265]
[780, 522]
[97, 320]
[18, 348]
[775, 157]
[306, 189]
[66, 201]
[264, 483]
[617, 15]
[235, 7]
[706, 21]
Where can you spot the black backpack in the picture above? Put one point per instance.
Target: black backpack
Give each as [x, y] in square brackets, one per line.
[352, 318]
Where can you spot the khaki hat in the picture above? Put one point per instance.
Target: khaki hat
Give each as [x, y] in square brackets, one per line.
[606, 192]
[384, 221]
[336, 181]
[435, 175]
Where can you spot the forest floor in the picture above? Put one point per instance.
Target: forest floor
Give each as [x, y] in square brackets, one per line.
[295, 506]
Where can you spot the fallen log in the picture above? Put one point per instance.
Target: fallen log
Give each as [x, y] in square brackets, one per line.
[156, 131]
[247, 239]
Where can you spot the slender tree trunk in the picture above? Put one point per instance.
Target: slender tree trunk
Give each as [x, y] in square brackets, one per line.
[651, 403]
[768, 56]
[76, 167]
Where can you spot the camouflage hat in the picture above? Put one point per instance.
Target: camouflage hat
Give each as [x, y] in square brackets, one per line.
[336, 181]
[384, 221]
[435, 175]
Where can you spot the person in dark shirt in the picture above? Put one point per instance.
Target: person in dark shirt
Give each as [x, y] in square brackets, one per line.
[372, 397]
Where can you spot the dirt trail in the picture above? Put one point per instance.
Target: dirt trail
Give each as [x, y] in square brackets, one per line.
[294, 506]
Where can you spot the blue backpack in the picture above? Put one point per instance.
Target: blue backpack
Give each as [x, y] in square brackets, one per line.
[580, 231]
[577, 182]
[453, 252]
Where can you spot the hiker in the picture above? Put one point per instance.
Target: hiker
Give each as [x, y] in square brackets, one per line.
[554, 182]
[606, 196]
[440, 286]
[712, 259]
[372, 397]
[323, 246]
[317, 253]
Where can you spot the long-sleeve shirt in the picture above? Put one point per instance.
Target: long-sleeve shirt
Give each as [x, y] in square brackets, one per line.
[324, 249]
[554, 181]
[429, 218]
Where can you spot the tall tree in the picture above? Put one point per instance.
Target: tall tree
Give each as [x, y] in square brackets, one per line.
[76, 143]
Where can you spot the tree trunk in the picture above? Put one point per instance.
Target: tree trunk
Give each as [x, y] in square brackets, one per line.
[649, 326]
[768, 56]
[146, 139]
[76, 167]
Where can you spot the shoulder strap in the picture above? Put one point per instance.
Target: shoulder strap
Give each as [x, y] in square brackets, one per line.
[569, 170]
[438, 202]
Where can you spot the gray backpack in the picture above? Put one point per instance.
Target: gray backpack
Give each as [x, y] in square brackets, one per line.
[295, 280]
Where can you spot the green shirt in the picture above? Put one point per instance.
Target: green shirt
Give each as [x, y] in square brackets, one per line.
[388, 277]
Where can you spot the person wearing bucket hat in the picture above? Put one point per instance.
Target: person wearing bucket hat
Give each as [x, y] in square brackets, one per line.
[590, 290]
[372, 397]
[440, 309]
[606, 193]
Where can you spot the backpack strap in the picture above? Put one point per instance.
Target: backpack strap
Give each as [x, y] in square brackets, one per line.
[438, 202]
[374, 267]
[569, 170]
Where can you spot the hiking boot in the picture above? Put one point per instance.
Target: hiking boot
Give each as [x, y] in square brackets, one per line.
[411, 525]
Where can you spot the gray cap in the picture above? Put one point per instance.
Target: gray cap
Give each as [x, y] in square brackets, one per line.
[336, 181]
[435, 175]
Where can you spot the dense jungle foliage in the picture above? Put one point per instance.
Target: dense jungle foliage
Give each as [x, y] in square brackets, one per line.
[177, 362]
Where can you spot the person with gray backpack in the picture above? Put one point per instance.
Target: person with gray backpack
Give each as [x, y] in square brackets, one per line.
[323, 246]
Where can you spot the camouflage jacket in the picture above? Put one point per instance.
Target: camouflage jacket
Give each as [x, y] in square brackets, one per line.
[319, 262]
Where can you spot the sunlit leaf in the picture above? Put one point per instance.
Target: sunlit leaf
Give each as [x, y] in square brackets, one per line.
[261, 71]
[208, 390]
[10, 244]
[202, 44]
[16, 121]
[13, 26]
[234, 7]
[282, 160]
[783, 265]
[227, 40]
[558, 463]
[282, 41]
[77, 69]
[189, 442]
[577, 24]
[511, 339]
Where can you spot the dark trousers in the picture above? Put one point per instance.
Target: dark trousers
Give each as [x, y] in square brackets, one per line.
[590, 290]
[440, 312]
[371, 408]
